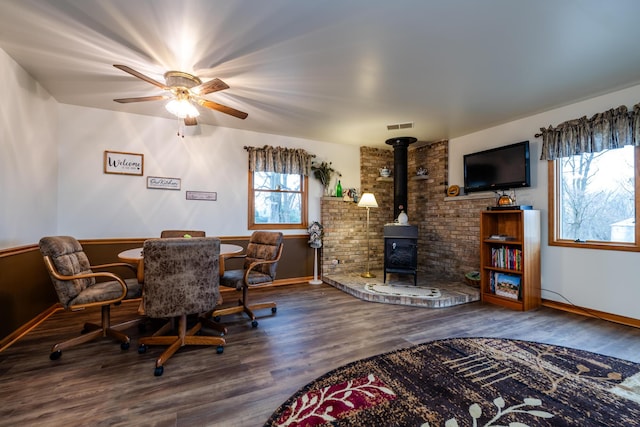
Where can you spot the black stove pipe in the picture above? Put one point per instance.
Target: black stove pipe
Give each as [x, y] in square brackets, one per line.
[400, 165]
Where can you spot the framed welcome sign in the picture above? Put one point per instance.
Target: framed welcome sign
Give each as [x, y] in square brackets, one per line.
[123, 163]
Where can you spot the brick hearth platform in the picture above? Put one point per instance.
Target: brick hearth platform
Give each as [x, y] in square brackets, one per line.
[452, 293]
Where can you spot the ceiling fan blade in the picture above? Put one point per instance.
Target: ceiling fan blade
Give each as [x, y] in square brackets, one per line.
[142, 98]
[190, 121]
[222, 108]
[141, 76]
[210, 86]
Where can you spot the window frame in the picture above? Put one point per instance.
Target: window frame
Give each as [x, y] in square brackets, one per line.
[251, 225]
[553, 170]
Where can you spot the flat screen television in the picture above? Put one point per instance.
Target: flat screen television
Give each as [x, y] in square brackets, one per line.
[500, 168]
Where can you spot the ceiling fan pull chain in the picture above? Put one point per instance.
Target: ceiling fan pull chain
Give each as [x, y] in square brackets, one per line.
[180, 128]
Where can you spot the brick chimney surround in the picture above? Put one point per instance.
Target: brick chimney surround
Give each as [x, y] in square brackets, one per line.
[448, 228]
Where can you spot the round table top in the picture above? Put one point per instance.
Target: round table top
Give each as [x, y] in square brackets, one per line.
[229, 249]
[131, 255]
[136, 254]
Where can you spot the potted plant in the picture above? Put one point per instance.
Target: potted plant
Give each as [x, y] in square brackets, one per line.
[323, 171]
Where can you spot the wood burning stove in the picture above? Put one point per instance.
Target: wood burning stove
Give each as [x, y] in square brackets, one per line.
[401, 250]
[400, 240]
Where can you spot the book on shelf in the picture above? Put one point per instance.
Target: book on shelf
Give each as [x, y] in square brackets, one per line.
[506, 285]
[501, 237]
[506, 257]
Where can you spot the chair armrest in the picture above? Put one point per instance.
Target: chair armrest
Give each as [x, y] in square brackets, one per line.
[54, 273]
[254, 264]
[232, 256]
[115, 264]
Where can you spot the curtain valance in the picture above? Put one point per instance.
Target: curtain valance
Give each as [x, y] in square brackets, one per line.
[279, 160]
[611, 129]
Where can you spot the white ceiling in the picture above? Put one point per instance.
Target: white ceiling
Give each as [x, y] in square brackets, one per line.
[334, 70]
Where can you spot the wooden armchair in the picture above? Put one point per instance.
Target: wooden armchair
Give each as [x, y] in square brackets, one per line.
[76, 286]
[260, 264]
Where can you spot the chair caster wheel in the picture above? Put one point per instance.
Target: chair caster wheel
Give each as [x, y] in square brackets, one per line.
[142, 349]
[124, 346]
[274, 309]
[216, 318]
[254, 324]
[55, 355]
[158, 371]
[219, 349]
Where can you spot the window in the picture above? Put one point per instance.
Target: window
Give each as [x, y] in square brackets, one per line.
[277, 200]
[592, 199]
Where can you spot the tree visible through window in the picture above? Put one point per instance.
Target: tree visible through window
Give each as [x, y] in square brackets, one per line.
[594, 179]
[277, 200]
[595, 198]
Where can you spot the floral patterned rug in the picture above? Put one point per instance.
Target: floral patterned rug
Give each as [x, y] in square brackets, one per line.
[471, 382]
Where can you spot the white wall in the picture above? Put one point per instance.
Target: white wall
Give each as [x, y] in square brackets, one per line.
[28, 157]
[597, 279]
[94, 204]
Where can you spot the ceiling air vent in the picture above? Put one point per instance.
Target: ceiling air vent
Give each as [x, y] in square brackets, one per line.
[397, 126]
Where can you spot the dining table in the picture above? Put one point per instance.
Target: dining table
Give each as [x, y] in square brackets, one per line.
[136, 256]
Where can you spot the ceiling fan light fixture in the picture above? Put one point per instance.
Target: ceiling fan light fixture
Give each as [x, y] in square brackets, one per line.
[182, 108]
[186, 90]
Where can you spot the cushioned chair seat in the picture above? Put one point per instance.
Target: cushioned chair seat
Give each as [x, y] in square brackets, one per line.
[107, 290]
[235, 278]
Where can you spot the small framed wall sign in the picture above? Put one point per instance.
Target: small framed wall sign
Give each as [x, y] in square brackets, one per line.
[202, 195]
[123, 163]
[163, 183]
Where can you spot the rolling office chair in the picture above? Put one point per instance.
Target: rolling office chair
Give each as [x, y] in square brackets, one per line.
[180, 278]
[77, 288]
[259, 269]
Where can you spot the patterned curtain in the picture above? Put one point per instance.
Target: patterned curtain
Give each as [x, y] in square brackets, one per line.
[611, 129]
[279, 160]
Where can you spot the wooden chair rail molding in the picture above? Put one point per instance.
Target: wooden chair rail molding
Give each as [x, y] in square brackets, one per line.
[24, 329]
[29, 298]
[17, 250]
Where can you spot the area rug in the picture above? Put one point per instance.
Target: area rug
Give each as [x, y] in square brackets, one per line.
[402, 290]
[471, 382]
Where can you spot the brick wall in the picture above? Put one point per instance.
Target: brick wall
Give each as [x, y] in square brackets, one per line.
[448, 242]
[345, 237]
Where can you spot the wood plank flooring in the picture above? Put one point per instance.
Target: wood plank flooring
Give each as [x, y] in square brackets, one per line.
[317, 328]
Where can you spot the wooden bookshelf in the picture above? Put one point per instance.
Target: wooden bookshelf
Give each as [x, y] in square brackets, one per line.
[510, 250]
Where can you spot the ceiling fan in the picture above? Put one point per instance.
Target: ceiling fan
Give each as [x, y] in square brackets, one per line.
[186, 89]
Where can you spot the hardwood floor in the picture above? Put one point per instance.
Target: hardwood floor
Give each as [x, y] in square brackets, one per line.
[317, 328]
